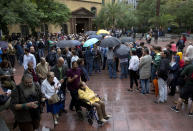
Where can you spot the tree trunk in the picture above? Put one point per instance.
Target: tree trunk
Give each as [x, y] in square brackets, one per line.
[158, 8]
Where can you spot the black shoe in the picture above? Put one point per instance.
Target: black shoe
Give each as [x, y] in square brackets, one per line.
[174, 109]
[65, 111]
[190, 114]
[80, 115]
[171, 94]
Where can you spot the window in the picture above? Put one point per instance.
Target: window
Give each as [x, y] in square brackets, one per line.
[93, 10]
[44, 28]
[64, 29]
[103, 2]
[24, 30]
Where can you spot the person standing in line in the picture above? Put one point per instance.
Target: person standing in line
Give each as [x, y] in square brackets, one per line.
[145, 71]
[111, 63]
[89, 56]
[133, 68]
[27, 58]
[162, 73]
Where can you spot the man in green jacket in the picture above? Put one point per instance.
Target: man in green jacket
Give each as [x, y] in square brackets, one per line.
[187, 91]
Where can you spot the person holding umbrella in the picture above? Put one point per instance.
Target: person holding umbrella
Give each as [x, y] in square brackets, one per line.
[111, 63]
[89, 56]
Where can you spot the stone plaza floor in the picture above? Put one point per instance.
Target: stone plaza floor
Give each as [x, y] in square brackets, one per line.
[131, 111]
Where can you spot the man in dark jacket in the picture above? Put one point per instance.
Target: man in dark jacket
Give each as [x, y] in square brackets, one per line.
[162, 77]
[60, 71]
[187, 90]
[51, 57]
[25, 103]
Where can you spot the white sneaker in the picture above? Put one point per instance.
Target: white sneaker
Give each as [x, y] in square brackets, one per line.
[55, 122]
[103, 120]
[107, 117]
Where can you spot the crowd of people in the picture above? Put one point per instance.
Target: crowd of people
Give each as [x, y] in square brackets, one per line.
[49, 71]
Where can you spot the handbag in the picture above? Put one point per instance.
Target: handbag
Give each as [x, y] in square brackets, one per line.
[54, 99]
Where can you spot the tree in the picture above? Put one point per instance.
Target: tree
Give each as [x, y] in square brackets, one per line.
[116, 15]
[155, 13]
[18, 11]
[32, 13]
[52, 12]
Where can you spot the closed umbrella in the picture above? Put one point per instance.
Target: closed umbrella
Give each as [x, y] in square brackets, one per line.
[68, 43]
[102, 32]
[90, 33]
[90, 42]
[99, 37]
[122, 51]
[127, 39]
[110, 42]
[3, 44]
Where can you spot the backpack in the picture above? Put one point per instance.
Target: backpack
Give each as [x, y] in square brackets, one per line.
[51, 59]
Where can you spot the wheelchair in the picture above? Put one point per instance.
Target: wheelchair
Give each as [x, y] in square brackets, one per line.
[91, 112]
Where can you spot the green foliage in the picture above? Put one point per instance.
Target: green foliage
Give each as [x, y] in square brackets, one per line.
[52, 12]
[173, 13]
[116, 15]
[32, 12]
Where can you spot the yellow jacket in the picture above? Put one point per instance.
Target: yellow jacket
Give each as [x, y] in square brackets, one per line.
[180, 54]
[88, 95]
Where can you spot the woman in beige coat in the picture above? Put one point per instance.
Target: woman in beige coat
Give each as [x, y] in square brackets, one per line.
[145, 71]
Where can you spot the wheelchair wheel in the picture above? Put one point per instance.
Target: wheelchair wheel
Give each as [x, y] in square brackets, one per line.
[90, 121]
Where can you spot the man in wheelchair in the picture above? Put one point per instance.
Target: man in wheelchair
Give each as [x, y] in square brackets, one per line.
[92, 99]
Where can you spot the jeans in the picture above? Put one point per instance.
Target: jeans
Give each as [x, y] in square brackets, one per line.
[20, 59]
[104, 62]
[97, 66]
[89, 66]
[124, 70]
[162, 90]
[117, 64]
[153, 72]
[133, 78]
[111, 68]
[145, 86]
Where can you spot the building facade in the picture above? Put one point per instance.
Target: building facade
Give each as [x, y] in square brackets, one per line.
[83, 12]
[131, 2]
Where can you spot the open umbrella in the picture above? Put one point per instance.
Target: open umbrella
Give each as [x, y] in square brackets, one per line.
[127, 39]
[90, 42]
[68, 43]
[110, 42]
[186, 34]
[99, 37]
[90, 33]
[102, 32]
[122, 51]
[3, 44]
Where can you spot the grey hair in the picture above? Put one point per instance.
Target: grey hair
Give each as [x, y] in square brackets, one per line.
[26, 77]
